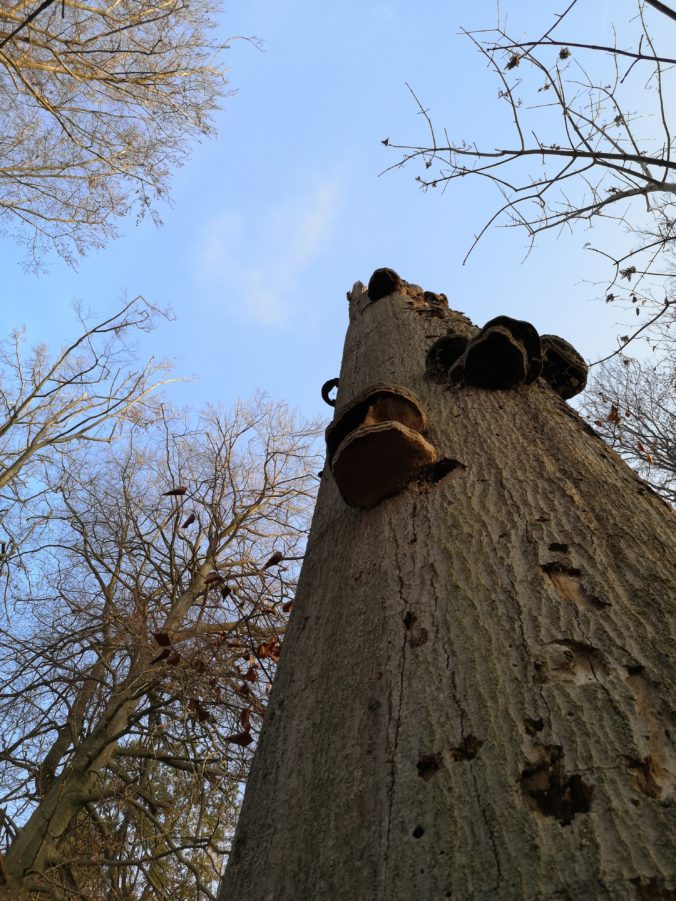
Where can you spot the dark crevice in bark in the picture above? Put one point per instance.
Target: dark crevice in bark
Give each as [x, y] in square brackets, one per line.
[429, 766]
[533, 725]
[467, 749]
[559, 547]
[550, 790]
[435, 472]
[397, 716]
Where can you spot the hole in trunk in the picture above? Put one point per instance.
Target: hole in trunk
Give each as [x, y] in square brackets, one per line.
[533, 725]
[468, 749]
[428, 766]
[435, 472]
[551, 791]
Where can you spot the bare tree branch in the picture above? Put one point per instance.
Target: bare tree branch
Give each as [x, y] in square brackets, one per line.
[663, 8]
[578, 153]
[131, 693]
[100, 102]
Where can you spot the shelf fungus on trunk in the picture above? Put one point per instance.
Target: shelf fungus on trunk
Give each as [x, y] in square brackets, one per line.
[563, 367]
[383, 282]
[506, 352]
[376, 445]
[441, 356]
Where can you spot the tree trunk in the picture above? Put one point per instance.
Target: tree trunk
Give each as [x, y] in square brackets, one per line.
[34, 848]
[472, 700]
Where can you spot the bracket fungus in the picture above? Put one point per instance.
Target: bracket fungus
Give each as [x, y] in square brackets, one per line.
[442, 355]
[506, 352]
[382, 283]
[563, 367]
[376, 445]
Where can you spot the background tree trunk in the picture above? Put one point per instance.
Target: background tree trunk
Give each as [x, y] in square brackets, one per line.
[472, 700]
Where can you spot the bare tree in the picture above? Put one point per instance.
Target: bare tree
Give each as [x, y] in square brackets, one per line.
[99, 103]
[137, 647]
[633, 406]
[48, 405]
[578, 152]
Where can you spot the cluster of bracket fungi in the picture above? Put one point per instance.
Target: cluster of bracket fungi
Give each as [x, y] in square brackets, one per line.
[377, 444]
[505, 353]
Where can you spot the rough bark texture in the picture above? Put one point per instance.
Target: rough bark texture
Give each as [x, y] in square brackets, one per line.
[473, 696]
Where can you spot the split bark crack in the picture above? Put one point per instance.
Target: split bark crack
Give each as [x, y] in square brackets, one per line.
[397, 723]
[477, 792]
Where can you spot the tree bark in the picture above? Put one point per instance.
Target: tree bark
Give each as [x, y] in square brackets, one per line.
[472, 700]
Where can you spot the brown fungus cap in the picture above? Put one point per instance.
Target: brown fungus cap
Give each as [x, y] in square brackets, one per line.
[378, 403]
[382, 283]
[375, 445]
[376, 461]
[442, 355]
[563, 367]
[505, 353]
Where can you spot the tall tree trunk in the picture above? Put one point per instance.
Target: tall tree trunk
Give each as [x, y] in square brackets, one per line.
[472, 700]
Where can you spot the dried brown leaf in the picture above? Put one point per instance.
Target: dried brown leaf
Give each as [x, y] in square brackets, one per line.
[162, 638]
[240, 738]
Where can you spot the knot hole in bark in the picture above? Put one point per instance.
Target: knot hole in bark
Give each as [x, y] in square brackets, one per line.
[551, 791]
[565, 660]
[468, 748]
[428, 766]
[567, 582]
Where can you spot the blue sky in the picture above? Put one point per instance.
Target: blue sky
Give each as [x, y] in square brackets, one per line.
[275, 219]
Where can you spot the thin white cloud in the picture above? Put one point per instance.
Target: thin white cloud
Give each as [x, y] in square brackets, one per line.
[255, 260]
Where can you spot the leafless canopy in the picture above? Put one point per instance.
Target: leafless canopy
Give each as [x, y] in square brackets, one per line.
[578, 151]
[147, 569]
[49, 404]
[137, 644]
[99, 101]
[632, 404]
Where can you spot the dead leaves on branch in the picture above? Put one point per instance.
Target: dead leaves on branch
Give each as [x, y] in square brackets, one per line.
[614, 415]
[240, 738]
[269, 650]
[176, 492]
[276, 558]
[243, 738]
[201, 714]
[213, 578]
[162, 638]
[205, 671]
